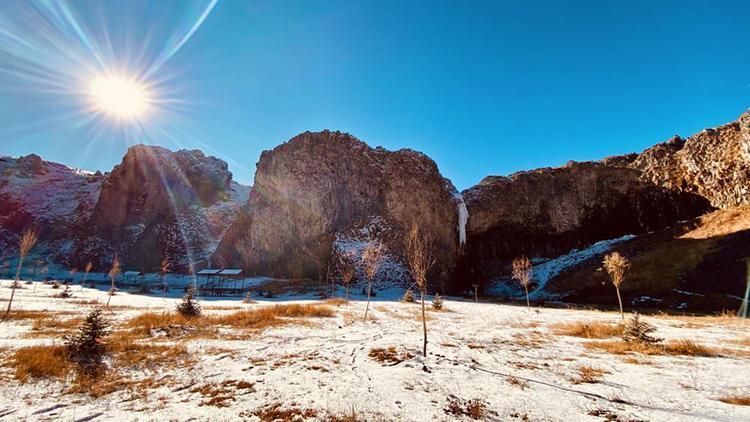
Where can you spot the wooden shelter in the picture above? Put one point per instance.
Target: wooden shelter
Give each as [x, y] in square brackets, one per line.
[221, 282]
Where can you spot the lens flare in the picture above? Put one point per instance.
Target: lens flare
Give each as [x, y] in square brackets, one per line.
[120, 97]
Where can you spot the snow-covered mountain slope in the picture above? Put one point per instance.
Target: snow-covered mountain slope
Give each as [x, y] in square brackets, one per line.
[156, 204]
[544, 270]
[48, 197]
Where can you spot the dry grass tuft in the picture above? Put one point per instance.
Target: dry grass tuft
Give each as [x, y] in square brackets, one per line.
[127, 353]
[738, 400]
[674, 348]
[474, 408]
[275, 412]
[41, 362]
[335, 301]
[588, 375]
[522, 384]
[590, 330]
[389, 356]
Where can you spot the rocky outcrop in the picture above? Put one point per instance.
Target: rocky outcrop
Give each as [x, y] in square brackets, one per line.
[547, 212]
[319, 185]
[161, 204]
[47, 197]
[714, 164]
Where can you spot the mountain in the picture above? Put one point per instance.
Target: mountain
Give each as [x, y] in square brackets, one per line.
[322, 192]
[326, 190]
[156, 203]
[545, 213]
[52, 198]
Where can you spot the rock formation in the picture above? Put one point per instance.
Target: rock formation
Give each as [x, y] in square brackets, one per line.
[546, 212]
[319, 185]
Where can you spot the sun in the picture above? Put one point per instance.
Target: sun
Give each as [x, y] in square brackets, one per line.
[120, 97]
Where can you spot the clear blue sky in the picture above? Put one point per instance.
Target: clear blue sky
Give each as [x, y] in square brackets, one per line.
[484, 88]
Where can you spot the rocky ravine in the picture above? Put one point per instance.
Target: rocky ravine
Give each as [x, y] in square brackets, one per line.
[321, 187]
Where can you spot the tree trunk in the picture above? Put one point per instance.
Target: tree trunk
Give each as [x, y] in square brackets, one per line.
[111, 292]
[83, 283]
[619, 299]
[369, 290]
[476, 299]
[13, 288]
[424, 328]
[528, 306]
[346, 294]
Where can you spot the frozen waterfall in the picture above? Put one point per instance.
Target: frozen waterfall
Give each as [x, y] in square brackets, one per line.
[463, 217]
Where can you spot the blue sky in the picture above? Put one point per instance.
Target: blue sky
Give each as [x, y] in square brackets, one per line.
[484, 88]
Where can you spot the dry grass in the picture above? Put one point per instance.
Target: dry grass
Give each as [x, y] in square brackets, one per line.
[517, 382]
[739, 400]
[389, 356]
[674, 348]
[53, 326]
[721, 223]
[127, 353]
[587, 375]
[220, 395]
[590, 330]
[474, 408]
[276, 412]
[335, 301]
[41, 362]
[174, 324]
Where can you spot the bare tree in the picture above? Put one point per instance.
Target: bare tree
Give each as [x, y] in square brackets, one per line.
[113, 274]
[25, 243]
[419, 258]
[522, 273]
[88, 268]
[346, 266]
[163, 270]
[372, 257]
[616, 266]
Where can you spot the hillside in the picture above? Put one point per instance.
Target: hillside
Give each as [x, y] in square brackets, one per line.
[696, 265]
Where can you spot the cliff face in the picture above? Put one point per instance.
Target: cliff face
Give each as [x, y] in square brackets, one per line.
[161, 204]
[714, 164]
[50, 198]
[547, 212]
[319, 186]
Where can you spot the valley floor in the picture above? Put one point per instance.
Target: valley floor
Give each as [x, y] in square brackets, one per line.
[491, 361]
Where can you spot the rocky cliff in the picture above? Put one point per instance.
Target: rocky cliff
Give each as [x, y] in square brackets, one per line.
[155, 203]
[161, 204]
[547, 212]
[321, 187]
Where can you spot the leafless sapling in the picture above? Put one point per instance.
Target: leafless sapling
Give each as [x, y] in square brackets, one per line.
[616, 266]
[372, 257]
[419, 258]
[113, 272]
[25, 243]
[163, 270]
[522, 272]
[88, 268]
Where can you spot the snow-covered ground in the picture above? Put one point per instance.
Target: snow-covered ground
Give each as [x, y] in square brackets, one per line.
[544, 270]
[505, 356]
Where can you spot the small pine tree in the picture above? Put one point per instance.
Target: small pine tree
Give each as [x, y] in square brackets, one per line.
[86, 348]
[189, 307]
[408, 296]
[437, 302]
[637, 331]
